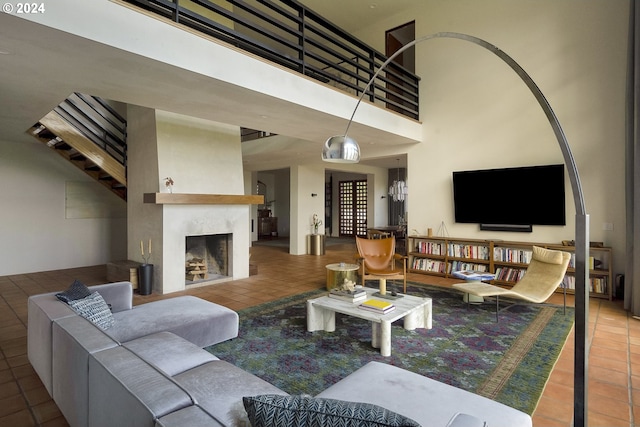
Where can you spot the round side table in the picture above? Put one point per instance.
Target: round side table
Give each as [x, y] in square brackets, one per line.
[336, 273]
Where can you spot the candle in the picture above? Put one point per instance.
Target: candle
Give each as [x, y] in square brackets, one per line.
[141, 248]
[149, 246]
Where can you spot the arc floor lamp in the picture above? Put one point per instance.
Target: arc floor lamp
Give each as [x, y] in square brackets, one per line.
[344, 149]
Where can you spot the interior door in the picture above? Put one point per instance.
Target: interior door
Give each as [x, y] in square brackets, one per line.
[394, 40]
[353, 208]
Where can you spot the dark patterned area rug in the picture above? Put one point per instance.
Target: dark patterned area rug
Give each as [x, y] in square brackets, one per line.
[509, 361]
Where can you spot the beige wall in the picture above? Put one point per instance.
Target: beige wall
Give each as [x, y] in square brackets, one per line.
[478, 114]
[36, 234]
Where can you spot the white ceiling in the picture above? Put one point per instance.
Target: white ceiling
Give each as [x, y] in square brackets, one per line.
[41, 66]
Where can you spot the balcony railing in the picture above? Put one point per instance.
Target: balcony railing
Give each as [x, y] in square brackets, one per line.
[291, 35]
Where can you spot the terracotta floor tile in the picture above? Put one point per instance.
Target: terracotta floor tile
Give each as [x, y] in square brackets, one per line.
[603, 420]
[600, 341]
[9, 389]
[22, 418]
[610, 407]
[559, 392]
[599, 388]
[613, 336]
[554, 409]
[608, 375]
[541, 421]
[611, 354]
[46, 411]
[609, 363]
[12, 404]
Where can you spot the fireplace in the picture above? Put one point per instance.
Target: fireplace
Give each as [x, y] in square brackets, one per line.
[207, 259]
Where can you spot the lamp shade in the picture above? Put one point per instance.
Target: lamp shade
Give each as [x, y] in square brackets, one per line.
[341, 149]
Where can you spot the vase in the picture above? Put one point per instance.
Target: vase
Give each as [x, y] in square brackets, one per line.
[145, 279]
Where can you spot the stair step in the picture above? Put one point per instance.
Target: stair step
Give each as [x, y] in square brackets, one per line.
[44, 135]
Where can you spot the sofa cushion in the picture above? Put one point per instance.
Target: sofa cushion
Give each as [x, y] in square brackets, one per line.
[218, 387]
[192, 416]
[74, 339]
[169, 353]
[76, 291]
[302, 411]
[94, 309]
[199, 321]
[124, 390]
[406, 393]
[43, 309]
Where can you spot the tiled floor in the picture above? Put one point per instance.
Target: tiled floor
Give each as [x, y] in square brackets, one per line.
[614, 360]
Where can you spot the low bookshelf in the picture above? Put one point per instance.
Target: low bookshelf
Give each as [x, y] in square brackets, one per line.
[508, 260]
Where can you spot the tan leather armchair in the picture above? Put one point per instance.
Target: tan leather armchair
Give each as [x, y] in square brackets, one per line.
[379, 261]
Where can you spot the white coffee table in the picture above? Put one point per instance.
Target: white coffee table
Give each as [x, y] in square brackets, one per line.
[416, 311]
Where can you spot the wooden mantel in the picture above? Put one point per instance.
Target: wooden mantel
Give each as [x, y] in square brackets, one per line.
[202, 199]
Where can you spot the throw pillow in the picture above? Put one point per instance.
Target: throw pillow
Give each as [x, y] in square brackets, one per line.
[77, 290]
[94, 309]
[305, 411]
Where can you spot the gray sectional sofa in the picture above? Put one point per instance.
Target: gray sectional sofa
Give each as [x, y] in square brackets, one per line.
[150, 369]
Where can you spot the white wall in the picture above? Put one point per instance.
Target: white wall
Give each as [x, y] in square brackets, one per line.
[36, 236]
[478, 114]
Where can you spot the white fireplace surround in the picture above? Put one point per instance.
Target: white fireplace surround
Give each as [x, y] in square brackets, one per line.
[179, 221]
[204, 159]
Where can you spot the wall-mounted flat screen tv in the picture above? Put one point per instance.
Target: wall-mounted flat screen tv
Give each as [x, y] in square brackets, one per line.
[521, 196]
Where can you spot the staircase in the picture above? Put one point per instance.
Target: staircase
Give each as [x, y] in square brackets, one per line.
[89, 133]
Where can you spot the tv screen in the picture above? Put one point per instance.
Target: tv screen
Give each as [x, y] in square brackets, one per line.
[531, 195]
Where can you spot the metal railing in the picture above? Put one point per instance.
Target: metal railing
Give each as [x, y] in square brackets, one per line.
[291, 35]
[98, 122]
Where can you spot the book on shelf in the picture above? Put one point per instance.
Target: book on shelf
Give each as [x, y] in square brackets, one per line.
[505, 254]
[597, 285]
[350, 296]
[426, 264]
[507, 274]
[472, 275]
[377, 306]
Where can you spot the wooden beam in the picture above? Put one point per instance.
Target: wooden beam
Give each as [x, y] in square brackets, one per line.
[202, 199]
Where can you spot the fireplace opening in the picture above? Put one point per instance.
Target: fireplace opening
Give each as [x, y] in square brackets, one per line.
[207, 259]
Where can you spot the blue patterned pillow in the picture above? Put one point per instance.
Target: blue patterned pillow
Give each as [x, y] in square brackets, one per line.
[77, 290]
[94, 309]
[269, 410]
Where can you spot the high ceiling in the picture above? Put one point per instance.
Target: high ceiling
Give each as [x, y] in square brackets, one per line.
[42, 66]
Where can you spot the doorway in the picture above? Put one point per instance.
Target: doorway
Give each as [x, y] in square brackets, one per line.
[394, 40]
[352, 199]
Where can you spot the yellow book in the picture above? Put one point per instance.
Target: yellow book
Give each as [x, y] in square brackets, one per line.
[377, 306]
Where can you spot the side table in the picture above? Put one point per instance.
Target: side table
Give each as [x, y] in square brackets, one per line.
[337, 273]
[315, 244]
[473, 276]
